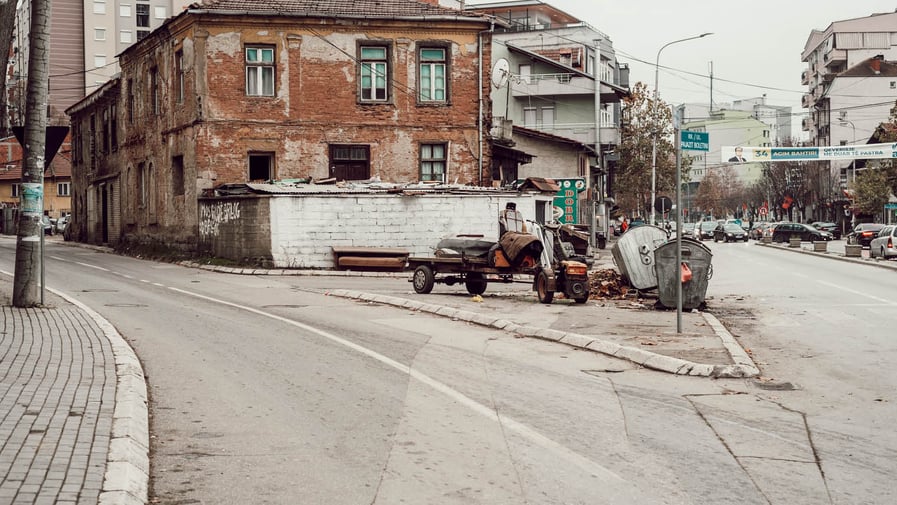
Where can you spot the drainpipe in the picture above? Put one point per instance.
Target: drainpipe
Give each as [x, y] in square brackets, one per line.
[480, 101]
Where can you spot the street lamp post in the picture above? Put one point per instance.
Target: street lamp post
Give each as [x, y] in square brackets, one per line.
[654, 142]
[853, 167]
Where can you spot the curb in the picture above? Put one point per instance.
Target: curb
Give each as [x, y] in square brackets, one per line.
[127, 466]
[860, 261]
[744, 367]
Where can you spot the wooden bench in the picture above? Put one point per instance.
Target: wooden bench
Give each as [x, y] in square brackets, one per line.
[370, 258]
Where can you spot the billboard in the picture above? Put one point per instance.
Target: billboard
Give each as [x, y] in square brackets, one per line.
[748, 154]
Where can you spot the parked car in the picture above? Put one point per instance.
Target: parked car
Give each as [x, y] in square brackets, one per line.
[729, 232]
[704, 230]
[59, 227]
[688, 229]
[829, 227]
[759, 230]
[863, 233]
[784, 231]
[884, 245]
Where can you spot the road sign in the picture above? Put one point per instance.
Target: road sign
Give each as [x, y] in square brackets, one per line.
[694, 141]
[663, 204]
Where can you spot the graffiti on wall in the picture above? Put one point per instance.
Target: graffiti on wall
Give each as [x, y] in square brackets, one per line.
[211, 217]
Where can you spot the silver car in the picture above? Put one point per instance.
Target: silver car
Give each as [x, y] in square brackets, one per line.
[884, 245]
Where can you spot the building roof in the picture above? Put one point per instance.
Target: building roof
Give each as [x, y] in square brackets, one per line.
[616, 90]
[330, 8]
[529, 132]
[60, 167]
[872, 67]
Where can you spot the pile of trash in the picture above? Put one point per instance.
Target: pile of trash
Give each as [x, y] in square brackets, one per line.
[608, 284]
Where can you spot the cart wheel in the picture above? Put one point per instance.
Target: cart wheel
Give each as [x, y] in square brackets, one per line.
[582, 299]
[423, 279]
[545, 295]
[475, 283]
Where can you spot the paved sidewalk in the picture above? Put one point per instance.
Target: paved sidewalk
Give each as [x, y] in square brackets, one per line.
[74, 426]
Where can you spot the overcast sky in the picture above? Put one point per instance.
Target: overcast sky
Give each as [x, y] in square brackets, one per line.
[755, 48]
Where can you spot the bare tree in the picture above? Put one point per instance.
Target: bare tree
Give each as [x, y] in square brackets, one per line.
[720, 192]
[644, 118]
[29, 240]
[7, 24]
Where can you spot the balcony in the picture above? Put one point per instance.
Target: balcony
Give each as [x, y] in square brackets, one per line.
[807, 124]
[835, 57]
[551, 84]
[580, 132]
[805, 77]
[806, 101]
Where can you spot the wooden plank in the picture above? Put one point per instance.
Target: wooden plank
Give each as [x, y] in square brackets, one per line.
[369, 251]
[372, 262]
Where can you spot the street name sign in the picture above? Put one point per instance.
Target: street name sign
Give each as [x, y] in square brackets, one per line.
[694, 141]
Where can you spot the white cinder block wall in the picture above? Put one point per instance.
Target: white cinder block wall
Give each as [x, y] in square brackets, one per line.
[304, 229]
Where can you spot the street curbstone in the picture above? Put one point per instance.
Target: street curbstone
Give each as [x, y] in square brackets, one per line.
[577, 340]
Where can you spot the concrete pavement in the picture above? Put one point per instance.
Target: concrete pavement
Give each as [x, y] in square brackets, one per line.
[74, 428]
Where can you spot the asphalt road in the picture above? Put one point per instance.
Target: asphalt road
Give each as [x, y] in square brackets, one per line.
[264, 390]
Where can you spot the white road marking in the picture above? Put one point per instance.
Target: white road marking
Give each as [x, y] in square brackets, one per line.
[584, 463]
[859, 293]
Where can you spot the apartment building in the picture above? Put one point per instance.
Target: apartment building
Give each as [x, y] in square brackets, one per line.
[85, 38]
[556, 96]
[851, 80]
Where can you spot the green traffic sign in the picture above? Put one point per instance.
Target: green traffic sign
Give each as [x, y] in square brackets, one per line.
[694, 141]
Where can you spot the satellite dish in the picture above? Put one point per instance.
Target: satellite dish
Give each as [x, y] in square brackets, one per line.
[501, 70]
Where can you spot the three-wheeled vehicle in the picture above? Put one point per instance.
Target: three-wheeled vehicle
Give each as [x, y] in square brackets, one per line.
[552, 264]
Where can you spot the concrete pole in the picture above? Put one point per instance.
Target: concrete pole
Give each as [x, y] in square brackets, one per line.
[31, 209]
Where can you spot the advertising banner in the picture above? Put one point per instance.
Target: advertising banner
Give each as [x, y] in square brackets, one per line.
[747, 154]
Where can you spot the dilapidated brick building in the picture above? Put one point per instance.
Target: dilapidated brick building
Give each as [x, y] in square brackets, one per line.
[232, 91]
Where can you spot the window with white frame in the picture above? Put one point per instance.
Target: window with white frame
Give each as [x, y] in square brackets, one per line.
[432, 162]
[63, 189]
[529, 117]
[259, 71]
[606, 115]
[525, 72]
[99, 60]
[15, 190]
[99, 34]
[433, 64]
[159, 12]
[548, 117]
[125, 36]
[374, 74]
[99, 6]
[124, 11]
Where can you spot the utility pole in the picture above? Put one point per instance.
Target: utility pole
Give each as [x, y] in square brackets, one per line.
[29, 243]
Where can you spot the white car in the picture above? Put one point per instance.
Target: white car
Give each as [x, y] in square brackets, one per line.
[60, 224]
[884, 245]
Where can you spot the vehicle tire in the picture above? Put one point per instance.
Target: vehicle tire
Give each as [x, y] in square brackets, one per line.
[582, 299]
[423, 279]
[475, 283]
[545, 295]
